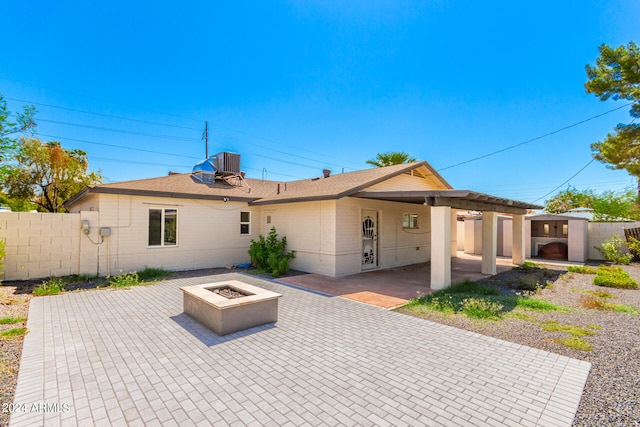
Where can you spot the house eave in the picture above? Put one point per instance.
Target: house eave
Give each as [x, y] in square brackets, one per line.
[457, 199]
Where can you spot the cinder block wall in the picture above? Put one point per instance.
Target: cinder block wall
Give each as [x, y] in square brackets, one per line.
[601, 231]
[41, 245]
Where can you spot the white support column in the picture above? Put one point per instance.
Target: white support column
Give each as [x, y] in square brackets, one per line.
[489, 242]
[519, 240]
[454, 233]
[440, 247]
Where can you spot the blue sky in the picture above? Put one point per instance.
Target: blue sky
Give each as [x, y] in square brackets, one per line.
[298, 86]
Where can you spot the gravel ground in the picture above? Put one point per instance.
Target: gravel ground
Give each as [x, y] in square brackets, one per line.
[612, 393]
[13, 303]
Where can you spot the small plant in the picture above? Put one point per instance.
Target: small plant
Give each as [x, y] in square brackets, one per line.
[538, 305]
[12, 320]
[520, 316]
[270, 255]
[597, 304]
[612, 250]
[150, 274]
[481, 308]
[53, 286]
[527, 266]
[634, 246]
[575, 343]
[582, 269]
[598, 294]
[525, 283]
[614, 277]
[125, 280]
[553, 326]
[13, 333]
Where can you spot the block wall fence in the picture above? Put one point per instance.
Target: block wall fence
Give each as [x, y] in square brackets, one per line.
[42, 245]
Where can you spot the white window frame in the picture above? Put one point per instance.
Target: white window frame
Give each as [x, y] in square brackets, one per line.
[247, 223]
[163, 212]
[410, 221]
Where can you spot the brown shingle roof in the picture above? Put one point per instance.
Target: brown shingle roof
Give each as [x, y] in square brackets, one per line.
[258, 191]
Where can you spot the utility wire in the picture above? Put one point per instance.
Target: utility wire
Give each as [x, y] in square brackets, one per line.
[102, 114]
[572, 176]
[188, 128]
[118, 146]
[532, 139]
[131, 132]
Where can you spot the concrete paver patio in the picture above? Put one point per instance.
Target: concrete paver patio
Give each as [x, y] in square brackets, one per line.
[116, 357]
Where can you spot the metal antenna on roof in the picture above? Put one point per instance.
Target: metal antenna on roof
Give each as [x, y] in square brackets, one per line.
[205, 137]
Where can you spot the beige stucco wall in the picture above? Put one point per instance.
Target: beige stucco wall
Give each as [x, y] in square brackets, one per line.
[41, 245]
[310, 231]
[460, 235]
[396, 246]
[208, 234]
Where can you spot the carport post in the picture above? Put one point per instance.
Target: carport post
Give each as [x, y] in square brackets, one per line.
[440, 247]
[519, 240]
[489, 242]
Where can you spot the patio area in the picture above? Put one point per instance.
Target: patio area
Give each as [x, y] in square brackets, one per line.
[132, 357]
[392, 287]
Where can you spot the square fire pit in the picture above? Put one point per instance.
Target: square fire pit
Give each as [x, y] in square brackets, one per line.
[230, 306]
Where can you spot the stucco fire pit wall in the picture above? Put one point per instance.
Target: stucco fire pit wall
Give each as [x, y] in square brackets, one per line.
[227, 315]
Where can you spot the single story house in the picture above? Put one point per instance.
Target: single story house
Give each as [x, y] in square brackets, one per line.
[338, 224]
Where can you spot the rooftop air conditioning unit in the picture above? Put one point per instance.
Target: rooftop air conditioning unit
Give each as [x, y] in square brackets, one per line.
[227, 163]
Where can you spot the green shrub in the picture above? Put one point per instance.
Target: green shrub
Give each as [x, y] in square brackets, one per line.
[12, 320]
[149, 274]
[13, 333]
[125, 280]
[53, 286]
[614, 277]
[575, 343]
[553, 326]
[527, 266]
[612, 250]
[582, 269]
[634, 246]
[270, 255]
[481, 308]
[537, 305]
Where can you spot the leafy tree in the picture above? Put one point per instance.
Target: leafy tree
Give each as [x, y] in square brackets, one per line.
[46, 174]
[616, 75]
[10, 129]
[607, 206]
[391, 158]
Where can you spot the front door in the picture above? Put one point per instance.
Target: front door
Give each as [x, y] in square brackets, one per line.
[369, 239]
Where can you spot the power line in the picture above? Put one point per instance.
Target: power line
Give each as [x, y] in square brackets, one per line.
[533, 139]
[102, 114]
[131, 132]
[188, 128]
[572, 176]
[118, 146]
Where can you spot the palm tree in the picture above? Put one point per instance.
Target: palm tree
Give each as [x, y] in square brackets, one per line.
[391, 158]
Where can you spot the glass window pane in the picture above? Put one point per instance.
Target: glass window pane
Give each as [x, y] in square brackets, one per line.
[155, 224]
[244, 228]
[245, 216]
[170, 226]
